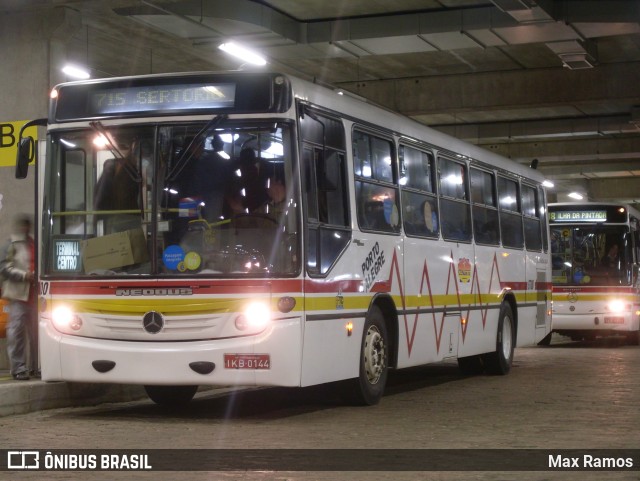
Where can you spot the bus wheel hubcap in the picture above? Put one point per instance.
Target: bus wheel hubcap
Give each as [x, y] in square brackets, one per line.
[374, 355]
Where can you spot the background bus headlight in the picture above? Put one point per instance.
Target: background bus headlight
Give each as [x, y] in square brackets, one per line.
[616, 306]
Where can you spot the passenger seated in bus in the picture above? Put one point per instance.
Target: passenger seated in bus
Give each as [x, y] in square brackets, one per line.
[275, 206]
[374, 215]
[430, 217]
[421, 220]
[248, 190]
[610, 261]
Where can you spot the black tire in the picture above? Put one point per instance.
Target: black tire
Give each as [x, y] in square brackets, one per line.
[471, 365]
[171, 396]
[367, 389]
[633, 338]
[499, 362]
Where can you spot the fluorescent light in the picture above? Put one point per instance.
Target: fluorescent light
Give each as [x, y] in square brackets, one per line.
[548, 183]
[576, 196]
[76, 72]
[242, 53]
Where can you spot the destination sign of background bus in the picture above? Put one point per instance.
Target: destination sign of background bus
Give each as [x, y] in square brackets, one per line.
[578, 216]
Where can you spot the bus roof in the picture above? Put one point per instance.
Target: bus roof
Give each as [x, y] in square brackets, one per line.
[357, 108]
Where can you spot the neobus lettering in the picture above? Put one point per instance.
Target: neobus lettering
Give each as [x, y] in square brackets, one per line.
[170, 291]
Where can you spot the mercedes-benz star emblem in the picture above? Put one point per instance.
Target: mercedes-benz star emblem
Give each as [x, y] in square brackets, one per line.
[153, 322]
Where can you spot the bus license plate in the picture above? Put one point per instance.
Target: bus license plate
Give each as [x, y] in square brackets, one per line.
[247, 361]
[614, 320]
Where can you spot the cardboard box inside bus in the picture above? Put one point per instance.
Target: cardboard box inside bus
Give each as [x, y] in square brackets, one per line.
[114, 250]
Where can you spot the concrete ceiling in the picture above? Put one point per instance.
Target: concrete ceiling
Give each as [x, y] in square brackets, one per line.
[553, 80]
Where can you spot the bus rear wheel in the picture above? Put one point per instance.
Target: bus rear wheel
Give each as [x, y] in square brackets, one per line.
[368, 387]
[499, 361]
[171, 396]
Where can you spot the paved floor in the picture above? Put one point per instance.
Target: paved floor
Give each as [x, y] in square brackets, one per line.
[582, 396]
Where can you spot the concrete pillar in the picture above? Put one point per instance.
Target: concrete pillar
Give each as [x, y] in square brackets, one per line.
[31, 50]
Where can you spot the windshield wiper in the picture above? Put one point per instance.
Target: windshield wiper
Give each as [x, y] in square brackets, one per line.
[187, 152]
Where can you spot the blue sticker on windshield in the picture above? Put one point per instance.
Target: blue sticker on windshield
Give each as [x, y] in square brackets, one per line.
[173, 256]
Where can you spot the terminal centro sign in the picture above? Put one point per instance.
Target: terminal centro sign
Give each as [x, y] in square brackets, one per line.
[9, 132]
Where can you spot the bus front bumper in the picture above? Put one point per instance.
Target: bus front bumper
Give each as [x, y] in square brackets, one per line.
[271, 358]
[622, 322]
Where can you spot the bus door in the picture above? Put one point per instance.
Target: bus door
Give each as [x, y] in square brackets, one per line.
[537, 266]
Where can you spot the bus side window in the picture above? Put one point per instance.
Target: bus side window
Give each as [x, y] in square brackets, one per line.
[419, 206]
[542, 210]
[485, 211]
[454, 200]
[532, 231]
[376, 190]
[510, 217]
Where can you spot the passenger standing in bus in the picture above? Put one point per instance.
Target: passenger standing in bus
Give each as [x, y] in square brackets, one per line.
[118, 189]
[204, 177]
[18, 274]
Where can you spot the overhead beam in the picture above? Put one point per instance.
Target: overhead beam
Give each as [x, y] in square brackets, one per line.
[503, 90]
[487, 132]
[613, 189]
[589, 169]
[570, 150]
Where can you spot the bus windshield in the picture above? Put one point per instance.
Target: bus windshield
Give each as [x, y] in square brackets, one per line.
[171, 200]
[591, 255]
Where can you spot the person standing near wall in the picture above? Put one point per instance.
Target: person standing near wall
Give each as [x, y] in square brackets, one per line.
[18, 273]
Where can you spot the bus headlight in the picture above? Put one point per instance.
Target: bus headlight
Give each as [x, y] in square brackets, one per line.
[255, 316]
[616, 306]
[64, 319]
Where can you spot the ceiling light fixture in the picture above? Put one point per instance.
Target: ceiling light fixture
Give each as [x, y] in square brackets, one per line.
[242, 53]
[76, 72]
[548, 184]
[575, 195]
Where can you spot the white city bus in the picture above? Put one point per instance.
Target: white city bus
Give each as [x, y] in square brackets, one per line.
[595, 254]
[170, 260]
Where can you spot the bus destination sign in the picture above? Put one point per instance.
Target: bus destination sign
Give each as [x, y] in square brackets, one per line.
[157, 98]
[578, 216]
[66, 255]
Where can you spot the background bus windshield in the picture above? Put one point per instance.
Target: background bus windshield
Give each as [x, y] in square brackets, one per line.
[171, 200]
[591, 255]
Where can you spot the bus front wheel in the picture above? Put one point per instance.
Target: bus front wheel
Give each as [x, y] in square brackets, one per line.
[368, 387]
[171, 396]
[499, 361]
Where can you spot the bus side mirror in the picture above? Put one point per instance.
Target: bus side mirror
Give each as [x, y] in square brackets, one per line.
[26, 153]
